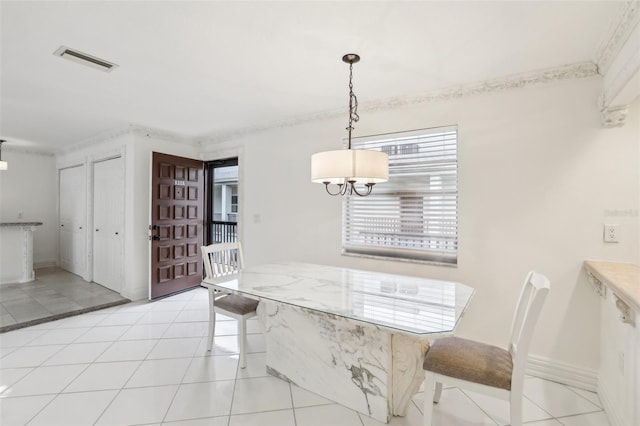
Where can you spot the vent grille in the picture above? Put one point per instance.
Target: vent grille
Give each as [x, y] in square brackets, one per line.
[85, 59]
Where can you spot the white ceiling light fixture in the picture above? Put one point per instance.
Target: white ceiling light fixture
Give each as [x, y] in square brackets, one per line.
[3, 164]
[348, 167]
[85, 59]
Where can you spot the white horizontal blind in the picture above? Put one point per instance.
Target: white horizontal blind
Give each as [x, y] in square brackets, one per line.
[414, 215]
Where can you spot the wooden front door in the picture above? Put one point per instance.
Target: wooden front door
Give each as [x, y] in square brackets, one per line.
[177, 196]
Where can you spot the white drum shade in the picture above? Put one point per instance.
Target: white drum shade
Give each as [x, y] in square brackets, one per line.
[4, 165]
[359, 165]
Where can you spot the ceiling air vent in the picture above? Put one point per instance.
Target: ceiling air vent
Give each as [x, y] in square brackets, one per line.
[85, 59]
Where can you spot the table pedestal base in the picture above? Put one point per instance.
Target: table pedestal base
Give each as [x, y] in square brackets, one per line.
[360, 366]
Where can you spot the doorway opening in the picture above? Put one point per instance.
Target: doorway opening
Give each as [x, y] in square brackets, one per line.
[222, 201]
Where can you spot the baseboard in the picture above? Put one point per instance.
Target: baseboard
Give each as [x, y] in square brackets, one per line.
[609, 407]
[560, 372]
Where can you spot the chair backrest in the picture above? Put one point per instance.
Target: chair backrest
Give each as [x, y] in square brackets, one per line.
[534, 291]
[221, 259]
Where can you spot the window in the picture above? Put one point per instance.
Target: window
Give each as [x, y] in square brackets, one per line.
[413, 216]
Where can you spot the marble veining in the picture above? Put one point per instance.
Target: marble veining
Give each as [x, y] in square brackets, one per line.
[400, 303]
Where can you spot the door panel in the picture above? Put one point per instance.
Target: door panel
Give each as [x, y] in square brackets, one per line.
[177, 185]
[72, 199]
[108, 223]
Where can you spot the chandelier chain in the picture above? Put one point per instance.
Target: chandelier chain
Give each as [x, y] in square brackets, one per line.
[353, 104]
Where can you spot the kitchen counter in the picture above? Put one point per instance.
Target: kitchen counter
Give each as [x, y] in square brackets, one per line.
[623, 279]
[16, 246]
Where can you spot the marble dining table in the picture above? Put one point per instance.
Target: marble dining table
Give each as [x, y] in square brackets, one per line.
[352, 336]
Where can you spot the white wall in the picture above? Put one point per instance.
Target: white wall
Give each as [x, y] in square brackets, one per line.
[136, 149]
[537, 175]
[29, 187]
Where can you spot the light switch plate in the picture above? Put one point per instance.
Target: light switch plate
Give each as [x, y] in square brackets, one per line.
[611, 233]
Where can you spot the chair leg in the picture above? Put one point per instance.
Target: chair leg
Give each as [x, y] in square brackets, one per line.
[242, 341]
[212, 319]
[429, 389]
[515, 408]
[438, 393]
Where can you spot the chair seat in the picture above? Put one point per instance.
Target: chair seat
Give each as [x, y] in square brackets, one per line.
[471, 361]
[239, 305]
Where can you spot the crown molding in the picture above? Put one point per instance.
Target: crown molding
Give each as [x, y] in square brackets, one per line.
[515, 81]
[619, 32]
[131, 129]
[27, 150]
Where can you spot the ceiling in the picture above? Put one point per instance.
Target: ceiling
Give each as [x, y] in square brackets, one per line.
[204, 68]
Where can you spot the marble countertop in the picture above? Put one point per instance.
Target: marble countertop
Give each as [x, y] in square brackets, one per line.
[622, 278]
[18, 224]
[409, 304]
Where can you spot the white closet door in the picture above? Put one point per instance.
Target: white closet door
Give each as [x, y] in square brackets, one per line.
[72, 199]
[108, 223]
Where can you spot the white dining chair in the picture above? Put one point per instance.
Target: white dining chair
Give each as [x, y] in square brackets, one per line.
[484, 368]
[222, 261]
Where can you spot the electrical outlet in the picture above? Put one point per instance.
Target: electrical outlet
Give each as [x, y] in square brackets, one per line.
[611, 233]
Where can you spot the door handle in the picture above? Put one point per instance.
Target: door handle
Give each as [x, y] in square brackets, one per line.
[156, 237]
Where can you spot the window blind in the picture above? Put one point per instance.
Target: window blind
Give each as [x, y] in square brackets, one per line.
[414, 215]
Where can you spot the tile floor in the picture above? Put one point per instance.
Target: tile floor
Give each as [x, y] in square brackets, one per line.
[146, 364]
[53, 294]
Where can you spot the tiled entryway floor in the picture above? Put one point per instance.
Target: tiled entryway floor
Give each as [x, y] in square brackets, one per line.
[53, 294]
[146, 363]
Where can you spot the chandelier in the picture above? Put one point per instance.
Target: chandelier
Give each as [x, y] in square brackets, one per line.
[345, 168]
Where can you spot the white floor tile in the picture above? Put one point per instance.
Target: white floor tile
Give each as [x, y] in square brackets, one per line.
[104, 376]
[591, 396]
[19, 337]
[74, 409]
[29, 356]
[212, 368]
[138, 406]
[145, 332]
[196, 400]
[455, 408]
[323, 415]
[270, 418]
[58, 336]
[186, 329]
[18, 411]
[175, 348]
[129, 350]
[256, 343]
[45, 380]
[6, 351]
[304, 398]
[197, 305]
[413, 418]
[226, 328]
[102, 334]
[592, 419]
[256, 366]
[140, 306]
[498, 409]
[261, 394]
[549, 422]
[78, 353]
[121, 318]
[9, 376]
[159, 372]
[221, 345]
[207, 421]
[158, 317]
[556, 399]
[81, 321]
[167, 305]
[193, 316]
